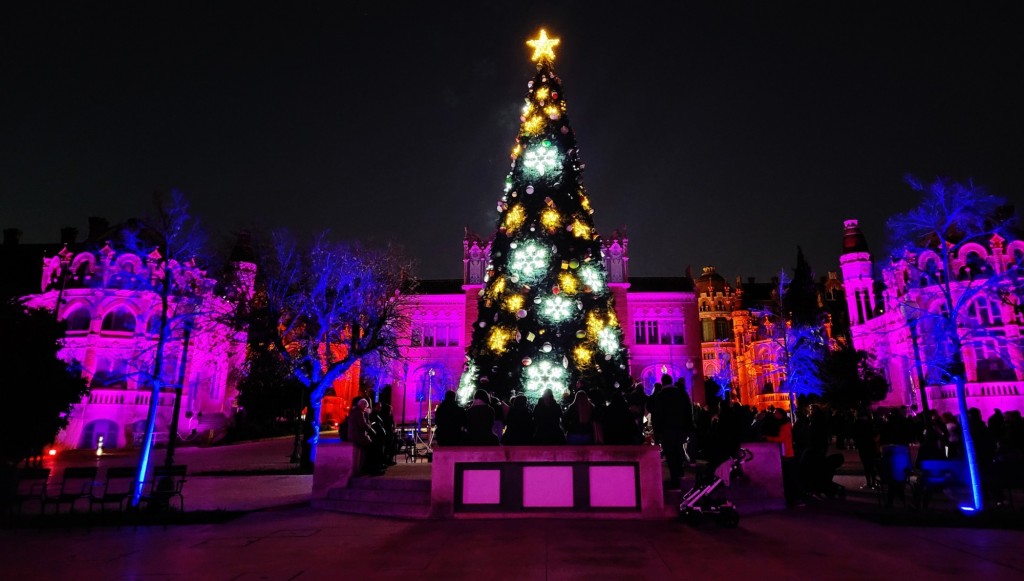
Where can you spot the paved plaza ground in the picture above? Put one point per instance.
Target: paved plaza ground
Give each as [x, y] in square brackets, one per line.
[285, 540]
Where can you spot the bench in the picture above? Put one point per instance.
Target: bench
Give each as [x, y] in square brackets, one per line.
[168, 483]
[75, 484]
[30, 485]
[115, 489]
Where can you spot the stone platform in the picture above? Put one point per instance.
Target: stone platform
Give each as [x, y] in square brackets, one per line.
[575, 482]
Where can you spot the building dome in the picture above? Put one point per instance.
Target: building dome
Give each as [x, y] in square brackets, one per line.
[853, 238]
[710, 282]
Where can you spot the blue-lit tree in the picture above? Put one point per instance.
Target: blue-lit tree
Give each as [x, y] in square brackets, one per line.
[798, 331]
[335, 304]
[943, 303]
[172, 241]
[805, 338]
[546, 318]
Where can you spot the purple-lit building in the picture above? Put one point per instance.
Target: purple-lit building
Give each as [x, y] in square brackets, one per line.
[113, 322]
[880, 322]
[659, 317]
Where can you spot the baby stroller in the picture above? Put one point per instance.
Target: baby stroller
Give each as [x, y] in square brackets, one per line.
[700, 500]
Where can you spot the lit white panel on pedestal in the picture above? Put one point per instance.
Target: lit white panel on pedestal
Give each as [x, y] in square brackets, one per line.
[481, 487]
[547, 486]
[613, 486]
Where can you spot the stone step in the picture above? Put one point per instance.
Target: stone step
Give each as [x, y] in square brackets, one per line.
[378, 495]
[384, 483]
[401, 510]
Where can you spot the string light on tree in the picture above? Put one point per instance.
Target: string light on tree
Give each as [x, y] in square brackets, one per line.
[583, 356]
[498, 341]
[467, 383]
[592, 278]
[529, 261]
[580, 229]
[541, 159]
[607, 340]
[557, 308]
[514, 218]
[533, 125]
[567, 283]
[513, 303]
[550, 219]
[545, 374]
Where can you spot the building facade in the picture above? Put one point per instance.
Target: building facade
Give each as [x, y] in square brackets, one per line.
[659, 318]
[113, 325]
[889, 318]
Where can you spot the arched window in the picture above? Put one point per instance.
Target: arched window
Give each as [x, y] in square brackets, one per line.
[119, 320]
[985, 313]
[708, 330]
[723, 330]
[79, 320]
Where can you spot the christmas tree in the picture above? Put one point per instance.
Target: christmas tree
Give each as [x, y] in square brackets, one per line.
[546, 318]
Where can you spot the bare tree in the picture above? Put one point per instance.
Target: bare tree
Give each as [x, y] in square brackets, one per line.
[171, 240]
[336, 304]
[940, 300]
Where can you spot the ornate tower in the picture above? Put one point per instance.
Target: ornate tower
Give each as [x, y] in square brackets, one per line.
[858, 281]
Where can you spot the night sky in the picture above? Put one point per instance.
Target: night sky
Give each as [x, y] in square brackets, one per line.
[726, 134]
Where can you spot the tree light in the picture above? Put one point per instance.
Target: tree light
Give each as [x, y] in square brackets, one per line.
[607, 340]
[541, 159]
[543, 47]
[557, 308]
[592, 278]
[545, 374]
[533, 125]
[467, 383]
[513, 303]
[529, 261]
[583, 355]
[580, 229]
[567, 283]
[498, 286]
[499, 338]
[514, 218]
[550, 219]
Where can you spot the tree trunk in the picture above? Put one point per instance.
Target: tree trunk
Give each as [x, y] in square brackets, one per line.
[172, 432]
[959, 377]
[154, 400]
[311, 433]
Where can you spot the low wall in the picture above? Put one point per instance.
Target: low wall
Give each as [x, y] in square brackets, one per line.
[336, 463]
[547, 481]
